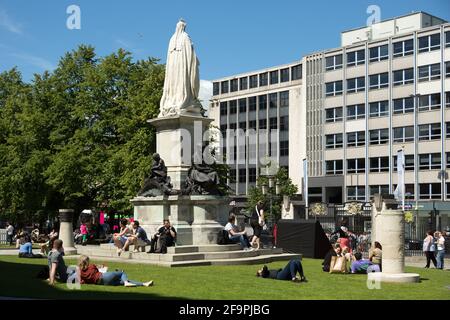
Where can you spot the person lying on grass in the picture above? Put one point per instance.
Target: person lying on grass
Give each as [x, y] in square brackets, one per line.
[89, 274]
[288, 273]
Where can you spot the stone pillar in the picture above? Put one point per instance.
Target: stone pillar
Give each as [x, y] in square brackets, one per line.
[388, 228]
[66, 231]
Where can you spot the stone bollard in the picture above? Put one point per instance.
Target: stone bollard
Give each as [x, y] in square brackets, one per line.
[388, 228]
[66, 231]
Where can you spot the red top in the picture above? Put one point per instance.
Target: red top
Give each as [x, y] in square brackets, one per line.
[90, 275]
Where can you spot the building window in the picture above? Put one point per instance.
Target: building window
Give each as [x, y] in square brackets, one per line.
[333, 114]
[252, 124]
[251, 174]
[403, 105]
[447, 39]
[447, 69]
[243, 105]
[274, 77]
[429, 161]
[262, 102]
[378, 81]
[356, 139]
[333, 63]
[242, 175]
[403, 48]
[429, 72]
[263, 79]
[284, 75]
[379, 164]
[402, 77]
[430, 102]
[379, 109]
[224, 87]
[429, 191]
[253, 81]
[447, 99]
[334, 167]
[284, 99]
[216, 88]
[409, 162]
[234, 85]
[262, 123]
[243, 83]
[233, 175]
[333, 141]
[252, 104]
[333, 88]
[243, 125]
[284, 123]
[273, 100]
[447, 130]
[403, 134]
[273, 123]
[357, 193]
[447, 160]
[381, 189]
[431, 131]
[296, 72]
[378, 53]
[356, 85]
[284, 148]
[233, 106]
[356, 165]
[430, 43]
[379, 136]
[357, 111]
[355, 58]
[223, 108]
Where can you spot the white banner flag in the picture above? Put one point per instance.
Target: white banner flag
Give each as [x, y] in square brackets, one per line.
[305, 179]
[400, 190]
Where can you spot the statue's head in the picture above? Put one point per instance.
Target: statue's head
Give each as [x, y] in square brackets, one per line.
[181, 25]
[156, 156]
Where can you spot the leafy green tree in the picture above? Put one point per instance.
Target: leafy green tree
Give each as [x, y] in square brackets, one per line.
[287, 188]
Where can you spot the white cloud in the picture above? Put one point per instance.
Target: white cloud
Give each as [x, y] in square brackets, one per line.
[7, 23]
[34, 60]
[205, 93]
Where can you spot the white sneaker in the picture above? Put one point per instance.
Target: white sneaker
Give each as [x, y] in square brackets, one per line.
[148, 284]
[129, 284]
[251, 249]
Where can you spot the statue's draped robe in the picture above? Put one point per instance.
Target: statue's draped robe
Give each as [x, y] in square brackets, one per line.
[182, 83]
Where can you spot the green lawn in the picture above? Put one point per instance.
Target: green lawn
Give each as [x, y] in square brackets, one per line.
[219, 282]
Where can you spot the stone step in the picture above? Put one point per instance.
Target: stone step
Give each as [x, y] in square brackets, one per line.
[97, 252]
[181, 249]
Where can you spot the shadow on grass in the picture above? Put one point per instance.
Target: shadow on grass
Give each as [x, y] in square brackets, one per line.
[19, 281]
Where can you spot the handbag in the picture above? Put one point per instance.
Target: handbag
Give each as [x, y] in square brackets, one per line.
[338, 265]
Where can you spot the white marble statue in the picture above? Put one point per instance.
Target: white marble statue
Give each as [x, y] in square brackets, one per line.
[182, 83]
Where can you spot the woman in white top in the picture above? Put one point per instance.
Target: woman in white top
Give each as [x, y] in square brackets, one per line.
[440, 250]
[121, 237]
[429, 249]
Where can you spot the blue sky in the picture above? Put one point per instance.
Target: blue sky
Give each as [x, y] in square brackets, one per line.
[229, 36]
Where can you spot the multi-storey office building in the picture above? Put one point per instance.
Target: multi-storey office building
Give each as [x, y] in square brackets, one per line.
[387, 87]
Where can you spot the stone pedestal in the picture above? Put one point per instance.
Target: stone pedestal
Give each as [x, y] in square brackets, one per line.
[177, 139]
[66, 231]
[388, 228]
[197, 219]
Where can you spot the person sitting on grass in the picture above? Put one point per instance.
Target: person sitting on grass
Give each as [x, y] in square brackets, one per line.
[166, 236]
[26, 249]
[89, 274]
[237, 236]
[56, 265]
[288, 273]
[362, 266]
[138, 239]
[334, 252]
[376, 254]
[122, 237]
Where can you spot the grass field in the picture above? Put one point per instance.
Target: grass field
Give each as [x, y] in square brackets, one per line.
[219, 282]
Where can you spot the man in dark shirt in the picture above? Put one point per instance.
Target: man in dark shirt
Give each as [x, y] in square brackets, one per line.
[288, 273]
[166, 236]
[56, 265]
[138, 239]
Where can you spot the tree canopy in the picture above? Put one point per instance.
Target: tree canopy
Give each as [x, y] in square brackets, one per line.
[77, 137]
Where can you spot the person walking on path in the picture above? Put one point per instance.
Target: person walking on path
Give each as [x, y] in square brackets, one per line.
[429, 249]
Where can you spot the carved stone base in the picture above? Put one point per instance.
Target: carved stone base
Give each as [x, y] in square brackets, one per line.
[197, 219]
